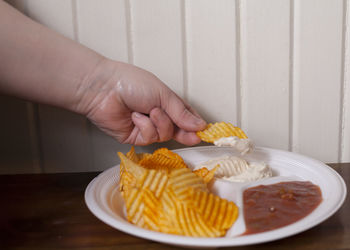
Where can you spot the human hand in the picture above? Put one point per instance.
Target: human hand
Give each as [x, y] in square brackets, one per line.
[126, 102]
[135, 107]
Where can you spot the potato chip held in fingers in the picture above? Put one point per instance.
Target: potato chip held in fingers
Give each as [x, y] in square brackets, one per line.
[219, 130]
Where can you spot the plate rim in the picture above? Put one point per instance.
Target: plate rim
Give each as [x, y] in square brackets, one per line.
[178, 240]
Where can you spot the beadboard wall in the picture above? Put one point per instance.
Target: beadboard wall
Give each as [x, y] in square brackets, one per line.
[280, 69]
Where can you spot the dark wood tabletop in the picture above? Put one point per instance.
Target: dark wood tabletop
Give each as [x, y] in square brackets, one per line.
[48, 211]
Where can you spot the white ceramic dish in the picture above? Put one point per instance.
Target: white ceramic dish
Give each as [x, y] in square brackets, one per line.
[105, 202]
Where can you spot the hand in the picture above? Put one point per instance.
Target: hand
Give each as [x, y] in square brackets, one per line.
[135, 107]
[126, 102]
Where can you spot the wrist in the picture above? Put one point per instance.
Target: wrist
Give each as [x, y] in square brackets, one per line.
[95, 86]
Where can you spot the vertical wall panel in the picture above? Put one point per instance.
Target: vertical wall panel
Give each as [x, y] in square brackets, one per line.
[156, 40]
[211, 58]
[156, 44]
[15, 141]
[56, 15]
[103, 28]
[273, 67]
[346, 91]
[317, 78]
[19, 145]
[265, 44]
[65, 143]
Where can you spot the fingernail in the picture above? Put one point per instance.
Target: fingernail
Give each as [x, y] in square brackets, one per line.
[137, 114]
[199, 121]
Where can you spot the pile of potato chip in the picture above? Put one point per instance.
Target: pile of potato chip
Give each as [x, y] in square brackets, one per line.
[163, 194]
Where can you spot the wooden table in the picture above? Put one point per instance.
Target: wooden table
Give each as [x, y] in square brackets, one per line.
[47, 211]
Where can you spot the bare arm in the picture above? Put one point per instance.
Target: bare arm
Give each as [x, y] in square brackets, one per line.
[126, 102]
[38, 64]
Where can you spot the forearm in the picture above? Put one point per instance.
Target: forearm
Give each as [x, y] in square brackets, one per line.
[40, 65]
[126, 102]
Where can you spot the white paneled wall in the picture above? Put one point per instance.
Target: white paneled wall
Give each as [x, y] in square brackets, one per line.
[64, 136]
[211, 58]
[317, 75]
[280, 69]
[265, 71]
[104, 28]
[156, 39]
[345, 129]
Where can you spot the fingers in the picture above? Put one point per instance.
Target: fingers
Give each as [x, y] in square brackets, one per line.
[156, 128]
[184, 117]
[162, 123]
[144, 132]
[186, 138]
[159, 126]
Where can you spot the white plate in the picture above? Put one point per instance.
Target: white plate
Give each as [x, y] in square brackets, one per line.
[104, 201]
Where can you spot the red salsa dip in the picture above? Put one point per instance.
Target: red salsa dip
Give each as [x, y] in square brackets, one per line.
[268, 207]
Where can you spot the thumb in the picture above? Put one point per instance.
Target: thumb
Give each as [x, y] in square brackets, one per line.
[181, 114]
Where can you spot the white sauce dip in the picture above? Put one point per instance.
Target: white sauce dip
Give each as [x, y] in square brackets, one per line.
[236, 169]
[242, 145]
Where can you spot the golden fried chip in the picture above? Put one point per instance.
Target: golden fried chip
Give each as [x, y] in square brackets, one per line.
[184, 219]
[181, 181]
[142, 155]
[218, 130]
[143, 208]
[128, 172]
[161, 162]
[127, 181]
[132, 167]
[154, 180]
[132, 155]
[206, 174]
[142, 201]
[152, 210]
[217, 212]
[168, 153]
[134, 207]
[175, 201]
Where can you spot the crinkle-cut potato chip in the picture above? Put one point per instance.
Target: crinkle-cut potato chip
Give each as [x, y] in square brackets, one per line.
[161, 162]
[136, 157]
[206, 174]
[134, 207]
[183, 219]
[181, 180]
[131, 166]
[152, 210]
[142, 155]
[168, 153]
[145, 178]
[132, 155]
[129, 170]
[127, 181]
[176, 201]
[218, 130]
[231, 166]
[219, 213]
